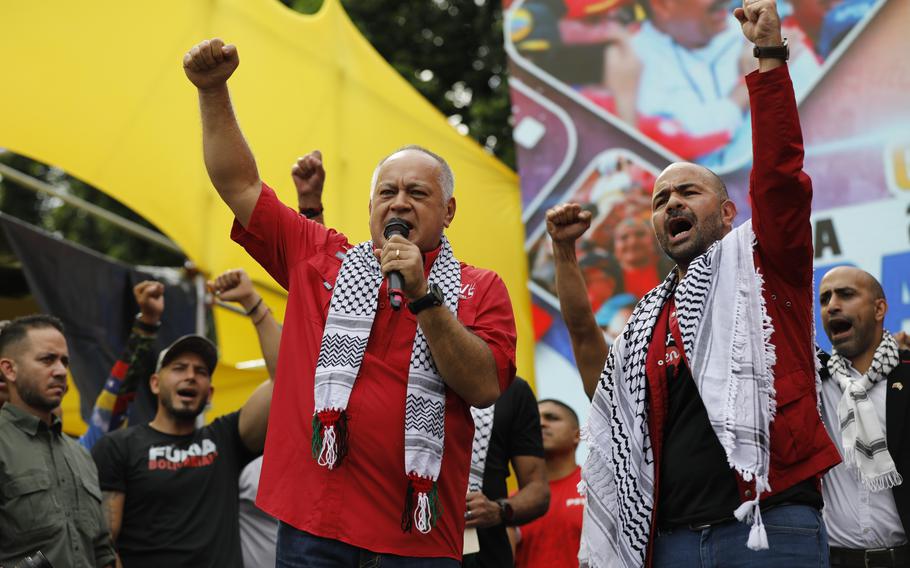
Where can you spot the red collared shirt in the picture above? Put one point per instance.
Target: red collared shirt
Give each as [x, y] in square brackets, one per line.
[361, 501]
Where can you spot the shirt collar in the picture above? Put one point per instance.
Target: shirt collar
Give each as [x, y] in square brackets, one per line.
[28, 422]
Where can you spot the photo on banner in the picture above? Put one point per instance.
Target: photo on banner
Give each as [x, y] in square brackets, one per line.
[591, 82]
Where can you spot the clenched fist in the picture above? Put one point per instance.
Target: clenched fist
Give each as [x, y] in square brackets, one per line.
[209, 64]
[760, 22]
[567, 222]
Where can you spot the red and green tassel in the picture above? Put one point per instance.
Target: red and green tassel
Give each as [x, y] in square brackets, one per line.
[330, 437]
[422, 507]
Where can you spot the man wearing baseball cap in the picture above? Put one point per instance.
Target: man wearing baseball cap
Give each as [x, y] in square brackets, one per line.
[169, 488]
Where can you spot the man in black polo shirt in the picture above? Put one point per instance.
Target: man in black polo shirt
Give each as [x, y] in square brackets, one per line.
[515, 437]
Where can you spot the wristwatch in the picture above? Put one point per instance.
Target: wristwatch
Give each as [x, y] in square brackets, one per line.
[506, 512]
[781, 52]
[432, 298]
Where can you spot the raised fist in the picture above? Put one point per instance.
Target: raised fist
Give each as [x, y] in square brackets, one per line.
[150, 297]
[210, 63]
[234, 286]
[760, 22]
[567, 222]
[309, 177]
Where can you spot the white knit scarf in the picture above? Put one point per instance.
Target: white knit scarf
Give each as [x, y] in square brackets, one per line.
[862, 439]
[344, 341]
[726, 334]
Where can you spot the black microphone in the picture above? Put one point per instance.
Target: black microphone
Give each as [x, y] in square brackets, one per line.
[394, 280]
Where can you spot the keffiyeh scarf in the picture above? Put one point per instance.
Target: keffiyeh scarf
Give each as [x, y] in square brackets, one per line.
[344, 341]
[862, 439]
[483, 430]
[726, 334]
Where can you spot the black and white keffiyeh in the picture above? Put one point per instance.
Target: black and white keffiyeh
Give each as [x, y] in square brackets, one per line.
[726, 334]
[483, 430]
[863, 442]
[344, 341]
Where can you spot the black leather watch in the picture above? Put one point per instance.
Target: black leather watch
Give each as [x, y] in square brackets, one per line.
[506, 512]
[781, 52]
[433, 297]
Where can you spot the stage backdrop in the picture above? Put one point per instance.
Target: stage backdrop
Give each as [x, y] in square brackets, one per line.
[98, 89]
[604, 98]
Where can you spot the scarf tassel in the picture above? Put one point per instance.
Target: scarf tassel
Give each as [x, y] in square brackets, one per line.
[422, 508]
[330, 437]
[751, 511]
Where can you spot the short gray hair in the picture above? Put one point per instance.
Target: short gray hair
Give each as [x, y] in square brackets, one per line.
[446, 177]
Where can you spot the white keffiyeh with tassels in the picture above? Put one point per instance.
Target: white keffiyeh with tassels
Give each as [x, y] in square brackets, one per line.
[344, 341]
[862, 439]
[726, 334]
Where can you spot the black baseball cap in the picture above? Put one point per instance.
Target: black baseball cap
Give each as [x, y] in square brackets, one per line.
[189, 344]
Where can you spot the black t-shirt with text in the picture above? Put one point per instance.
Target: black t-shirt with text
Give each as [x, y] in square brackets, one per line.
[516, 432]
[181, 504]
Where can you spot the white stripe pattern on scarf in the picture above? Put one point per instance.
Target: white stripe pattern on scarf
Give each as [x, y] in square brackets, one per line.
[727, 341]
[863, 442]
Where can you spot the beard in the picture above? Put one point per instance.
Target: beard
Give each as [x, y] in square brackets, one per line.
[183, 413]
[705, 233]
[33, 398]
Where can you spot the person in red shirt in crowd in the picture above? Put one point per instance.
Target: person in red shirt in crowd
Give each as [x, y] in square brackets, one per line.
[369, 445]
[552, 540]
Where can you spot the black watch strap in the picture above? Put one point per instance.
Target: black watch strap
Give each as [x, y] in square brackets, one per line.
[506, 512]
[781, 52]
[432, 298]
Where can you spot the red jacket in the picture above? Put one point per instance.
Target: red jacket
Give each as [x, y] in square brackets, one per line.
[781, 196]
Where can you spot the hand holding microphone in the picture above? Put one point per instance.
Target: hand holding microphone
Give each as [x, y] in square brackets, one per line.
[402, 264]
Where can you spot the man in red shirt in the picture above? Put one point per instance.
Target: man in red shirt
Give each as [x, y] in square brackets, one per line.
[552, 540]
[371, 406]
[686, 462]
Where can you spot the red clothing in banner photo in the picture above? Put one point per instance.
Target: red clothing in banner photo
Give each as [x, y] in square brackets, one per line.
[553, 539]
[360, 502]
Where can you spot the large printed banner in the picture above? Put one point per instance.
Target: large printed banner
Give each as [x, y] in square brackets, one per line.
[606, 93]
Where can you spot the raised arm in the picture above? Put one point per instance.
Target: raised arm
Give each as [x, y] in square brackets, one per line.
[134, 365]
[228, 159]
[566, 224]
[235, 286]
[781, 192]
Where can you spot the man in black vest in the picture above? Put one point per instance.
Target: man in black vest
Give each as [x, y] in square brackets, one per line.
[865, 408]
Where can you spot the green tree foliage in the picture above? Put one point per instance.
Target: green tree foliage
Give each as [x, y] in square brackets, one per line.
[449, 50]
[50, 214]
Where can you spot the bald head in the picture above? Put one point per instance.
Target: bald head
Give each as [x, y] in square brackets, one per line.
[858, 277]
[707, 177]
[690, 211]
[853, 309]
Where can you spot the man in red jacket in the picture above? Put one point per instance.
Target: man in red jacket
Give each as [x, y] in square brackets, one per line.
[686, 466]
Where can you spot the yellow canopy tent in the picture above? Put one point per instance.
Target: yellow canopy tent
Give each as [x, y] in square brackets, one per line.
[98, 89]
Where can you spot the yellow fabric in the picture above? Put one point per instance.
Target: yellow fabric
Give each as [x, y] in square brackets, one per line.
[98, 89]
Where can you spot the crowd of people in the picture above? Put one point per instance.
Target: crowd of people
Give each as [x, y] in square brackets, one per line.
[718, 435]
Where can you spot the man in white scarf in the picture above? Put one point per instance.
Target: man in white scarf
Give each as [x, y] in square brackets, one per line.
[706, 446]
[865, 409]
